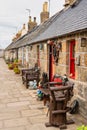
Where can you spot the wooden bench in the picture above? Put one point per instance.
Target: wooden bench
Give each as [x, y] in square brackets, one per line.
[24, 71]
[31, 76]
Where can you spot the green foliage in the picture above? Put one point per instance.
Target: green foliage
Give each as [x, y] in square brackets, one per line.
[10, 66]
[82, 127]
[15, 60]
[16, 70]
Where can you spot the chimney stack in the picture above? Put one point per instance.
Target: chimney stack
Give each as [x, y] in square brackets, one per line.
[67, 2]
[29, 18]
[31, 24]
[24, 26]
[35, 19]
[44, 14]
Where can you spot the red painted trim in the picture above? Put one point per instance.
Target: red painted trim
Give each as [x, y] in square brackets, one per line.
[51, 62]
[72, 59]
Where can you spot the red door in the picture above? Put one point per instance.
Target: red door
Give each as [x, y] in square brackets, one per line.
[72, 59]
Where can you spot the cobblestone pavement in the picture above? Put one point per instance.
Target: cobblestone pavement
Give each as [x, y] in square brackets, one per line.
[19, 109]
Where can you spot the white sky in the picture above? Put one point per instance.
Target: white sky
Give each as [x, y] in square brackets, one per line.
[13, 15]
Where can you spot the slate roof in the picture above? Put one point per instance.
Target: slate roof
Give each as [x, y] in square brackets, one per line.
[71, 20]
[9, 46]
[13, 43]
[64, 22]
[24, 40]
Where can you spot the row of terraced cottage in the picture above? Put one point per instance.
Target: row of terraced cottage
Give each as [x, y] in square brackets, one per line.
[59, 45]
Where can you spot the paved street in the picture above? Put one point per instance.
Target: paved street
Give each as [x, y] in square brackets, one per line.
[19, 109]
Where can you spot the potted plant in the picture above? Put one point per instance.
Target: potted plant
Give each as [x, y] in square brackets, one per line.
[16, 70]
[10, 66]
[15, 63]
[15, 60]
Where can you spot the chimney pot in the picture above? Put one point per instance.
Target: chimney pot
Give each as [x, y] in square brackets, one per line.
[67, 2]
[35, 19]
[24, 26]
[29, 18]
[44, 15]
[45, 7]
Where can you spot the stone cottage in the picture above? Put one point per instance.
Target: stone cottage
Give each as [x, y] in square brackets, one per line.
[11, 52]
[59, 45]
[19, 48]
[1, 53]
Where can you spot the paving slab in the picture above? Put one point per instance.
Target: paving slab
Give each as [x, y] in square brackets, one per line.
[15, 128]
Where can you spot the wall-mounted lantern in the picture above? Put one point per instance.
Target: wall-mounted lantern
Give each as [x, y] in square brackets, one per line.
[83, 42]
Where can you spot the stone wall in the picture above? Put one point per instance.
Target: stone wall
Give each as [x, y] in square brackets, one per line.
[80, 88]
[32, 55]
[34, 51]
[20, 54]
[61, 67]
[82, 67]
[44, 58]
[80, 93]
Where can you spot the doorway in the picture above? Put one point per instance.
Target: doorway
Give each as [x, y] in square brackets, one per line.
[72, 59]
[51, 63]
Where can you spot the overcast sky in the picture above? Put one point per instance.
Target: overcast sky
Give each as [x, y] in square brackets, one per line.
[13, 15]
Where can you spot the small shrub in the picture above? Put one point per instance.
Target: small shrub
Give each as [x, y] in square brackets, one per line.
[16, 61]
[16, 70]
[15, 65]
[10, 66]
